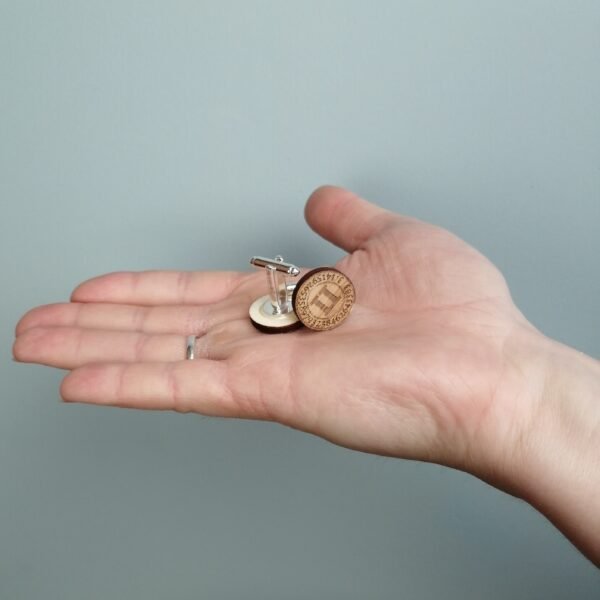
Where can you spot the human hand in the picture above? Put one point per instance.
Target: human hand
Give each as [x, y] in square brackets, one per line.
[419, 370]
[435, 362]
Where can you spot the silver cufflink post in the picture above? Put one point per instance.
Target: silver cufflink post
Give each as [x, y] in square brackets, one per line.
[279, 288]
[274, 312]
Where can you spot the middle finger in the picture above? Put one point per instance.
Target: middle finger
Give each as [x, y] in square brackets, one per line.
[182, 319]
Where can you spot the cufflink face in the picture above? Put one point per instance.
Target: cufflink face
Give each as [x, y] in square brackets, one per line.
[323, 298]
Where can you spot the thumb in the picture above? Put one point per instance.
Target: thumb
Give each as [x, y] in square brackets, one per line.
[343, 218]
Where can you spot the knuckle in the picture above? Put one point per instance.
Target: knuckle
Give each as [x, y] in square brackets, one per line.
[177, 400]
[183, 283]
[139, 347]
[139, 317]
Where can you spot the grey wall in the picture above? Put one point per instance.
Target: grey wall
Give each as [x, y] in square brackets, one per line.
[138, 135]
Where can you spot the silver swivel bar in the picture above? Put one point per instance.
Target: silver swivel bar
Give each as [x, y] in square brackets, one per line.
[279, 289]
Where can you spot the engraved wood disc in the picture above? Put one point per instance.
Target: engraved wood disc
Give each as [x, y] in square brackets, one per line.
[323, 298]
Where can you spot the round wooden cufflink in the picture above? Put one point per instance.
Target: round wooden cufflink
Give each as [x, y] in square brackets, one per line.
[274, 313]
[323, 298]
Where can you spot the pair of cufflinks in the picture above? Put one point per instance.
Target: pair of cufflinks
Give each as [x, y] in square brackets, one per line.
[320, 300]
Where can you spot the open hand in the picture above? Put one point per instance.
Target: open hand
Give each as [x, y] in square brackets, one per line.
[425, 366]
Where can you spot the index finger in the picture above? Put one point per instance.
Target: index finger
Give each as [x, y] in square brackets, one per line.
[159, 287]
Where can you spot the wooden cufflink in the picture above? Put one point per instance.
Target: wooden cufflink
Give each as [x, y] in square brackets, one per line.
[321, 300]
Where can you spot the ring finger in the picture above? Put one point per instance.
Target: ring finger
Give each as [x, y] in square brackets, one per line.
[72, 347]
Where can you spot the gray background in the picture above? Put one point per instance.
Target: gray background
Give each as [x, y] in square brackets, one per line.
[138, 135]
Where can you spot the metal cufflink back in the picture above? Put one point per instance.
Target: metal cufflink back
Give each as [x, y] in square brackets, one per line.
[321, 300]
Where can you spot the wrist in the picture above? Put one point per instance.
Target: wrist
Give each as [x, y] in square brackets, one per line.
[560, 474]
[551, 454]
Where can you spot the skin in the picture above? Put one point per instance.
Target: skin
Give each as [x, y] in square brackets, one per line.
[435, 362]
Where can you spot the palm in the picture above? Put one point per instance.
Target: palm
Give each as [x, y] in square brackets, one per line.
[411, 373]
